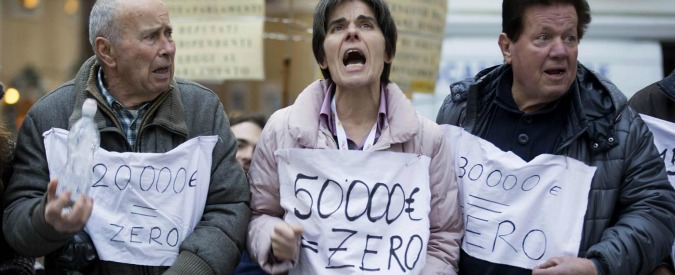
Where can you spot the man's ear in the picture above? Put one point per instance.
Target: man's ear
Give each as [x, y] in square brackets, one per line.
[106, 51]
[505, 46]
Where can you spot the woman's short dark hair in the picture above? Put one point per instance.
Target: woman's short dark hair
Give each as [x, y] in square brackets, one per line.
[514, 10]
[384, 20]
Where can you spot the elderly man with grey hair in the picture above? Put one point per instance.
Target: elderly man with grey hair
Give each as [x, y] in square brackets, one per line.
[140, 218]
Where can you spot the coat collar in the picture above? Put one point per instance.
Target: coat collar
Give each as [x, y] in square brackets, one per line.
[667, 85]
[167, 109]
[596, 104]
[303, 121]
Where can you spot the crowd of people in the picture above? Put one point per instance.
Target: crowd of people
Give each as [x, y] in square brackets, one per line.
[348, 179]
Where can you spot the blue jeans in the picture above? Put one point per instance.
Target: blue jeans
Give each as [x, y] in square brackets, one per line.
[247, 266]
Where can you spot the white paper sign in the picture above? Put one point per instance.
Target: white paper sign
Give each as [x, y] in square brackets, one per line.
[362, 211]
[664, 139]
[515, 212]
[145, 204]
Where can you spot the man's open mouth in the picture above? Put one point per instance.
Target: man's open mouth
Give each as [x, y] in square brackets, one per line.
[555, 72]
[162, 70]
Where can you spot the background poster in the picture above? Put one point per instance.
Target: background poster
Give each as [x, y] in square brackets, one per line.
[218, 40]
[420, 26]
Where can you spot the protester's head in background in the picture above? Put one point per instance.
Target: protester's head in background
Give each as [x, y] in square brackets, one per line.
[324, 27]
[133, 43]
[246, 129]
[539, 40]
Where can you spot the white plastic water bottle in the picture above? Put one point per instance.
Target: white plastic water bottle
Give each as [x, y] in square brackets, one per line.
[83, 141]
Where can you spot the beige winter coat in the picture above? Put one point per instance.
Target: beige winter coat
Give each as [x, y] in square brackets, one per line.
[298, 126]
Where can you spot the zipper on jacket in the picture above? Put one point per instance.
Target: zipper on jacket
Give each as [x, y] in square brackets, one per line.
[137, 143]
[330, 142]
[572, 139]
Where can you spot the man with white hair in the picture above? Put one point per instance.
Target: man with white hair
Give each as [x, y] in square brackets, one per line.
[170, 196]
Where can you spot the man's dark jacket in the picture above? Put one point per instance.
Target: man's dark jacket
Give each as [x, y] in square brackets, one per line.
[629, 223]
[657, 100]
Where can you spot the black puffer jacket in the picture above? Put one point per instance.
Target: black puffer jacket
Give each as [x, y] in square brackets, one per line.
[629, 224]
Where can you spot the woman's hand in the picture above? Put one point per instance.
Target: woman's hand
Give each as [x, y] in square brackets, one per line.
[286, 241]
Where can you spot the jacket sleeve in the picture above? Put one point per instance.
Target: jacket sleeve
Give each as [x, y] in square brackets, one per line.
[451, 111]
[25, 197]
[267, 210]
[643, 233]
[446, 225]
[220, 235]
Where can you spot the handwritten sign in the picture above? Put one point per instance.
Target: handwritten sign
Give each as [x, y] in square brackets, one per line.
[515, 212]
[421, 26]
[664, 139]
[218, 40]
[362, 211]
[140, 215]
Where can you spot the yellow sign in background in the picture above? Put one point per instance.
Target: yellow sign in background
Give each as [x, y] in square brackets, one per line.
[218, 40]
[421, 26]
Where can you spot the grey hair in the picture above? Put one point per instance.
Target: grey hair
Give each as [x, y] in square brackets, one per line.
[102, 22]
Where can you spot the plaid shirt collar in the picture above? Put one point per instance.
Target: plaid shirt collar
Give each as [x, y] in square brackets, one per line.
[129, 119]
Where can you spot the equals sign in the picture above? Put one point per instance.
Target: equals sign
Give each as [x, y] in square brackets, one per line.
[145, 209]
[304, 243]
